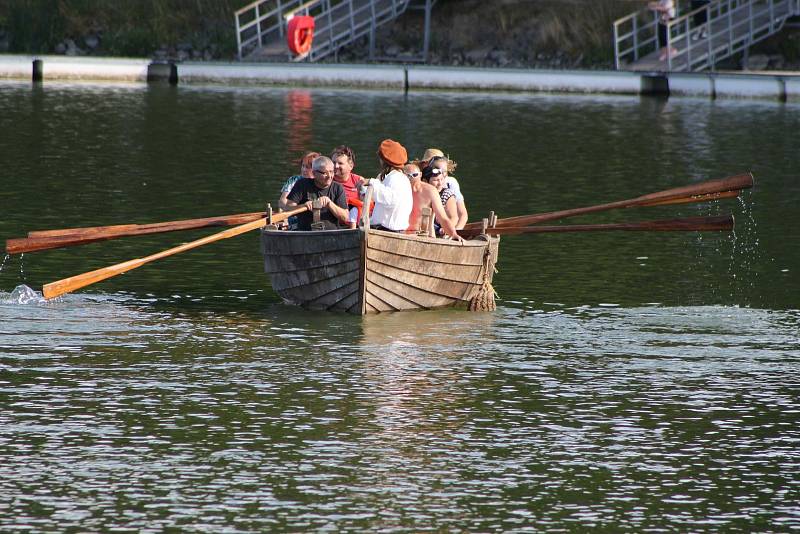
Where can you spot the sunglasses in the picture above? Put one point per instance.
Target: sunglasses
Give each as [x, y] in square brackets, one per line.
[413, 174]
[437, 172]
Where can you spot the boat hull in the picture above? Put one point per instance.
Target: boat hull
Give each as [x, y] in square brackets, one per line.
[373, 271]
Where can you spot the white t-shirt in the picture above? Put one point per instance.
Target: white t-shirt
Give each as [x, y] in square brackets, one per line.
[393, 201]
[669, 10]
[452, 184]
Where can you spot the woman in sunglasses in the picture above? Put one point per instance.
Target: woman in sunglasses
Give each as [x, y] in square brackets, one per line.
[434, 154]
[426, 196]
[436, 174]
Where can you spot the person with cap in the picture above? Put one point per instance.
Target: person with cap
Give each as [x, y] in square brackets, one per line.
[391, 191]
[451, 183]
[322, 188]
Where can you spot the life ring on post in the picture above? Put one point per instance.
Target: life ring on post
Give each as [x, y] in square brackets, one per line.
[300, 34]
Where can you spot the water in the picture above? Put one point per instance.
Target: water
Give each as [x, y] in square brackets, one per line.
[627, 382]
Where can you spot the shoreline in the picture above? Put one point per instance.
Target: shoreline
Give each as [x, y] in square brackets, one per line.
[781, 86]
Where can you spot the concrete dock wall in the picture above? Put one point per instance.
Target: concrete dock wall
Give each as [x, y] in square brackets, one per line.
[773, 86]
[75, 68]
[611, 82]
[304, 74]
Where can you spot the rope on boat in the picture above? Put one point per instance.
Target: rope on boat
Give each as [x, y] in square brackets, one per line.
[484, 299]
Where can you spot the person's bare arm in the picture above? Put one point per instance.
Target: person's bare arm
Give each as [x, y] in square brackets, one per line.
[444, 221]
[283, 202]
[461, 210]
[451, 209]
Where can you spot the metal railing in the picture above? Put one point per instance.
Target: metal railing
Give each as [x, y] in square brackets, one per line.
[730, 26]
[337, 22]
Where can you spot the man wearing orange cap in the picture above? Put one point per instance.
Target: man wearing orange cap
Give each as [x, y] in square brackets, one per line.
[391, 192]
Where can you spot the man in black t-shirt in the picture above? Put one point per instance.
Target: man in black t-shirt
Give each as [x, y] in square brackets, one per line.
[322, 187]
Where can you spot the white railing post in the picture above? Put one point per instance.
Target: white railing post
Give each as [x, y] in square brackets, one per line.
[616, 46]
[258, 25]
[730, 27]
[427, 39]
[771, 16]
[372, 32]
[669, 45]
[635, 38]
[238, 37]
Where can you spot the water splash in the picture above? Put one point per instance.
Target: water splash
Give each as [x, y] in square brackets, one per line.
[3, 264]
[22, 267]
[23, 294]
[745, 252]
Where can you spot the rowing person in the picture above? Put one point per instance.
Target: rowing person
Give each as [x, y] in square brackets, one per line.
[391, 190]
[426, 196]
[433, 155]
[343, 162]
[305, 172]
[322, 187]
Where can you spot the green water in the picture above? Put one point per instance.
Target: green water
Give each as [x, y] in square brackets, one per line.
[627, 382]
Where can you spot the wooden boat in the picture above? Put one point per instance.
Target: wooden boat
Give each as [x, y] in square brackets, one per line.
[365, 270]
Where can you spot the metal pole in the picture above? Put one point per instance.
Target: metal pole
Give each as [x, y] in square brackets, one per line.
[372, 32]
[669, 45]
[280, 18]
[771, 17]
[426, 41]
[616, 47]
[258, 26]
[238, 38]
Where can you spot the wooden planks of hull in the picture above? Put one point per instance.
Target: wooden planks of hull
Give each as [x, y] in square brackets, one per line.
[369, 272]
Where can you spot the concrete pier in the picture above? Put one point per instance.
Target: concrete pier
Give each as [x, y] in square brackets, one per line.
[781, 86]
[299, 74]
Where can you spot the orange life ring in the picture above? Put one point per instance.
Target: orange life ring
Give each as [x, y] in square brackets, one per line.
[300, 34]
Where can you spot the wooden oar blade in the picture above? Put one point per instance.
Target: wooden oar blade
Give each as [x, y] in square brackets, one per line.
[709, 187]
[68, 285]
[686, 224]
[693, 199]
[21, 245]
[73, 283]
[51, 239]
[701, 192]
[134, 229]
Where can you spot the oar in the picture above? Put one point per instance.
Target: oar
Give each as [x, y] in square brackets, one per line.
[48, 239]
[702, 192]
[686, 224]
[67, 285]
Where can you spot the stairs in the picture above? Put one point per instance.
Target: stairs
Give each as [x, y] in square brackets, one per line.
[732, 26]
[261, 26]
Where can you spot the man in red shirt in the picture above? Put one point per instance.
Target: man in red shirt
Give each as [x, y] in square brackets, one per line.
[343, 162]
